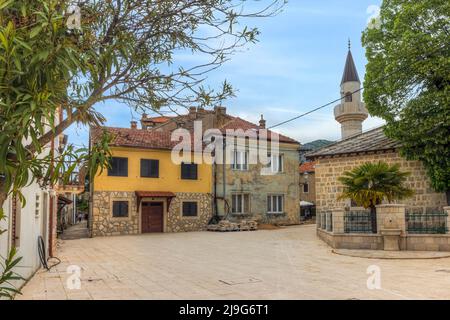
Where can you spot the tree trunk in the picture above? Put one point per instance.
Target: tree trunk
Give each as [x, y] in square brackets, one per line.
[373, 218]
[447, 193]
[3, 193]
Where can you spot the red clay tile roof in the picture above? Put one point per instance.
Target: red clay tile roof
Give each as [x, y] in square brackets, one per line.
[307, 167]
[237, 123]
[161, 119]
[125, 137]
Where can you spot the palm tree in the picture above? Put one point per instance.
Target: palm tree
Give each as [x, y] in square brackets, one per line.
[371, 183]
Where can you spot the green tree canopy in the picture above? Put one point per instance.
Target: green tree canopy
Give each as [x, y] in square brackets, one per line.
[53, 72]
[407, 81]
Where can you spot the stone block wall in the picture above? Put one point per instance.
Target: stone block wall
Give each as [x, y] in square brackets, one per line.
[177, 223]
[103, 224]
[328, 187]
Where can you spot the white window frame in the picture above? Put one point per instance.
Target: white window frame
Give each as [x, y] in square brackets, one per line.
[270, 204]
[276, 163]
[234, 198]
[240, 160]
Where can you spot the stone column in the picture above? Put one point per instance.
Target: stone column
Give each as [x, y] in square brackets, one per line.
[391, 216]
[447, 210]
[391, 225]
[338, 220]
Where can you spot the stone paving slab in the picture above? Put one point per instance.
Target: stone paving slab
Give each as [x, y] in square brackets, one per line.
[289, 263]
[393, 255]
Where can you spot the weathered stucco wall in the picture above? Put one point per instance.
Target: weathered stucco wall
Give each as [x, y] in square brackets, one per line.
[310, 196]
[259, 186]
[328, 187]
[105, 225]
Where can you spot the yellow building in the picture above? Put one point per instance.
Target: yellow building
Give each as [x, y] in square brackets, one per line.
[144, 191]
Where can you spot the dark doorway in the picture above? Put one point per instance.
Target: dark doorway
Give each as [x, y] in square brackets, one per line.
[152, 217]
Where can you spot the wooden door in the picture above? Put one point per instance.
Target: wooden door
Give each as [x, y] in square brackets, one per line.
[152, 217]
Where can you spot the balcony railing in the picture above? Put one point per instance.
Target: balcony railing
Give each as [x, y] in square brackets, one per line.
[75, 184]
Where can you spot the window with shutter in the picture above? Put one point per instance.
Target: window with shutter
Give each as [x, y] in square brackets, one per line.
[240, 160]
[190, 209]
[240, 203]
[189, 171]
[149, 168]
[118, 167]
[120, 209]
[275, 204]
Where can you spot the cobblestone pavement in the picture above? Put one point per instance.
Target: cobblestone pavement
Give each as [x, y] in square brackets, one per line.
[288, 263]
[76, 231]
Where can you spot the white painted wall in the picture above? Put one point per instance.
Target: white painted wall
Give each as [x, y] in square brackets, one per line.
[32, 226]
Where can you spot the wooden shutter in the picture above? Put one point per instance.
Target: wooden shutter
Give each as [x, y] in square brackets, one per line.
[149, 168]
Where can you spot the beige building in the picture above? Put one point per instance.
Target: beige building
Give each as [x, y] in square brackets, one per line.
[241, 190]
[371, 146]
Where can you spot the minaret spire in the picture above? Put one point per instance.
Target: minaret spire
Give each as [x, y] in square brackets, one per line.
[349, 44]
[351, 112]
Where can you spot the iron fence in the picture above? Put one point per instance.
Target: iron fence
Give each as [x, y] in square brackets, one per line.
[427, 223]
[358, 222]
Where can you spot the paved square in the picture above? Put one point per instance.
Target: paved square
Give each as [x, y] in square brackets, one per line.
[288, 263]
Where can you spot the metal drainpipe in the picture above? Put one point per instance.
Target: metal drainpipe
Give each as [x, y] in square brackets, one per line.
[223, 175]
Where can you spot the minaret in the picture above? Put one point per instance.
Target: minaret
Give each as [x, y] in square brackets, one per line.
[351, 112]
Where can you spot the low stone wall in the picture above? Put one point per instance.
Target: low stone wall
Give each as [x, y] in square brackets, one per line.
[427, 242]
[422, 242]
[351, 241]
[388, 217]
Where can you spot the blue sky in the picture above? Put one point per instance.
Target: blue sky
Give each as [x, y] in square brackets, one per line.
[296, 66]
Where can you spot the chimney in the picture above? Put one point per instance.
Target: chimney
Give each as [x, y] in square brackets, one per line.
[220, 110]
[262, 123]
[133, 124]
[144, 122]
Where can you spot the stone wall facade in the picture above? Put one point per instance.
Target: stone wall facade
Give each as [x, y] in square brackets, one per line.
[104, 224]
[389, 217]
[259, 186]
[310, 179]
[328, 187]
[177, 223]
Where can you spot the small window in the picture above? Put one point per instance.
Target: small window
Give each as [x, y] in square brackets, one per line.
[275, 204]
[149, 168]
[120, 209]
[240, 160]
[189, 171]
[190, 209]
[240, 203]
[305, 188]
[348, 97]
[276, 163]
[118, 167]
